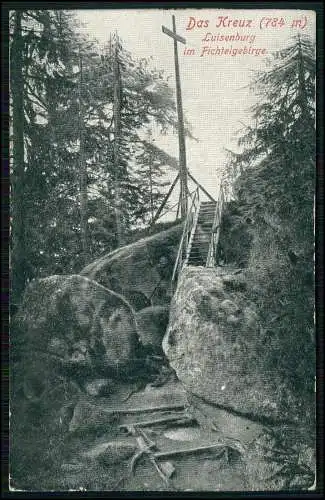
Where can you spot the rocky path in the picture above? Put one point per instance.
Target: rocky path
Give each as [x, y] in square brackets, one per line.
[126, 441]
[221, 425]
[110, 459]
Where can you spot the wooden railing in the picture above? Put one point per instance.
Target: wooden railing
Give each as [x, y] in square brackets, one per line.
[215, 232]
[187, 235]
[190, 224]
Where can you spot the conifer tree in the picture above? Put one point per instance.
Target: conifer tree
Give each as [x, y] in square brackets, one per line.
[63, 168]
[274, 188]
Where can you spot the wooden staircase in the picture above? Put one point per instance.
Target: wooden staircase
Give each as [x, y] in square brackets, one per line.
[200, 237]
[198, 248]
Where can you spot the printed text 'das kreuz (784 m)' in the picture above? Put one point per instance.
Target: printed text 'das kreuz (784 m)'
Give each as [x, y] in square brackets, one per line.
[221, 22]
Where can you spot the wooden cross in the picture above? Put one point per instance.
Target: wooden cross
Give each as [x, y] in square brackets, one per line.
[181, 131]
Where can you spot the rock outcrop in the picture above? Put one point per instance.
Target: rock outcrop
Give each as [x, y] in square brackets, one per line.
[152, 324]
[72, 326]
[141, 271]
[215, 345]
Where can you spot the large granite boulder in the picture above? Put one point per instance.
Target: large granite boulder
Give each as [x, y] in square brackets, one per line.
[217, 347]
[73, 327]
[141, 271]
[152, 325]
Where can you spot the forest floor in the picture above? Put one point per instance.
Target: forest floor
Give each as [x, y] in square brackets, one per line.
[80, 462]
[196, 471]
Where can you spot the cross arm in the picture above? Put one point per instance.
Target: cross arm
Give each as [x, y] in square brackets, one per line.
[173, 35]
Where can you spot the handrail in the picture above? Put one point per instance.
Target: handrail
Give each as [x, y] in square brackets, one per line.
[184, 239]
[215, 226]
[189, 229]
[191, 233]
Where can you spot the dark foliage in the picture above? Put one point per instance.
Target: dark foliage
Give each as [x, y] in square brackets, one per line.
[274, 188]
[64, 175]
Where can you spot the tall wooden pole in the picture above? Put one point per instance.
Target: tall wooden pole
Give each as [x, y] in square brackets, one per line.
[181, 130]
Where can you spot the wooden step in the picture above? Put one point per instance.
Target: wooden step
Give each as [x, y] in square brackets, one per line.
[197, 252]
[206, 220]
[200, 250]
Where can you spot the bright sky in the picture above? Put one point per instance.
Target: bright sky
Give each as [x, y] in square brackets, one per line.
[214, 87]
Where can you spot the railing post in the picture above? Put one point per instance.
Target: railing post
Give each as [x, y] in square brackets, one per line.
[216, 225]
[185, 239]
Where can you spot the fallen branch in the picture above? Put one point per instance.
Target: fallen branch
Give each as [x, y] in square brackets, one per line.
[179, 419]
[171, 453]
[125, 411]
[145, 449]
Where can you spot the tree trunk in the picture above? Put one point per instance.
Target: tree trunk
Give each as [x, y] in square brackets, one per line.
[83, 178]
[18, 255]
[116, 148]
